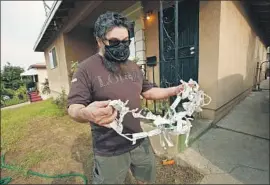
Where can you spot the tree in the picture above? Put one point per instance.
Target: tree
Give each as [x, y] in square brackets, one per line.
[10, 77]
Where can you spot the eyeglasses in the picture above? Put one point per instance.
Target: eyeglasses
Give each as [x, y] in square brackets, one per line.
[116, 42]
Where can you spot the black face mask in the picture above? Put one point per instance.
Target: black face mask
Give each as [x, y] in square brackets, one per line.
[117, 52]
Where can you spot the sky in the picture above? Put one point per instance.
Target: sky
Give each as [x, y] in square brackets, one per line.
[21, 23]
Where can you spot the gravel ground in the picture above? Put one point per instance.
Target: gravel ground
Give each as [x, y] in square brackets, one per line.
[172, 174]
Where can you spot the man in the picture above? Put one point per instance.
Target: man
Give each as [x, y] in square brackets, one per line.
[109, 75]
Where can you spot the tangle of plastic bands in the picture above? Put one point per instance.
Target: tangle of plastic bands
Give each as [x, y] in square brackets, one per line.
[172, 123]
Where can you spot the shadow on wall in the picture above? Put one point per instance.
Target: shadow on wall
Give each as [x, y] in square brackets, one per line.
[227, 89]
[233, 88]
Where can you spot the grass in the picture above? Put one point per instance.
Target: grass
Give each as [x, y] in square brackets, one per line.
[40, 137]
[14, 123]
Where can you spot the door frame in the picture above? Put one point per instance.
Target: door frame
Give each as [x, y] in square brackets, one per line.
[161, 34]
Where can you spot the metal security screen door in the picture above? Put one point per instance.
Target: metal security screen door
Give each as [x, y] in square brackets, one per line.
[178, 32]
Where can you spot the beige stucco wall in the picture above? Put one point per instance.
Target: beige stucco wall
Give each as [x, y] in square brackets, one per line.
[151, 33]
[239, 50]
[209, 18]
[79, 44]
[152, 45]
[42, 75]
[229, 50]
[58, 77]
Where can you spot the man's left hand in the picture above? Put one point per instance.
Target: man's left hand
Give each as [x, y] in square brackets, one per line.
[178, 89]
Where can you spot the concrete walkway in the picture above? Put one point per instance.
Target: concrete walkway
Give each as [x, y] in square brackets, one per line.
[236, 151]
[16, 106]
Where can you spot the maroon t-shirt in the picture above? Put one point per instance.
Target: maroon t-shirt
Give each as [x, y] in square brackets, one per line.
[93, 82]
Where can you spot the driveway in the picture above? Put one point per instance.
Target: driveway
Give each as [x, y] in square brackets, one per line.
[236, 150]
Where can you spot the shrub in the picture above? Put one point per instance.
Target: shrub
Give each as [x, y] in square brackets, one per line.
[16, 97]
[21, 93]
[8, 92]
[61, 101]
[2, 103]
[14, 101]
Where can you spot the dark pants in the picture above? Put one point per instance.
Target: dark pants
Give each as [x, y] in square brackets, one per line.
[113, 170]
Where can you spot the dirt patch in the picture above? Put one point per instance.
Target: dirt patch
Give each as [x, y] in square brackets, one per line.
[172, 174]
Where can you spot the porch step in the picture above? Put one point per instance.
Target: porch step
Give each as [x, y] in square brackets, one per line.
[34, 94]
[34, 97]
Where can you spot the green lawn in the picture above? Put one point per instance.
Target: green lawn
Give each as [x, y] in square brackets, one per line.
[15, 123]
[37, 134]
[39, 137]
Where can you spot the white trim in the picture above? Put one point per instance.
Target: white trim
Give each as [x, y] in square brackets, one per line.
[55, 7]
[30, 72]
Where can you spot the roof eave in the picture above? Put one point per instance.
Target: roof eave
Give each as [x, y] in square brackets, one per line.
[55, 7]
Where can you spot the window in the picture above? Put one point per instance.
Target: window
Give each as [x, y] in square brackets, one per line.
[53, 58]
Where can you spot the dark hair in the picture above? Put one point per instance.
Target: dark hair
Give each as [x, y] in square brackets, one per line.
[107, 21]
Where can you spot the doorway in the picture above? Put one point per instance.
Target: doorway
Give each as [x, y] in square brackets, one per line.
[185, 66]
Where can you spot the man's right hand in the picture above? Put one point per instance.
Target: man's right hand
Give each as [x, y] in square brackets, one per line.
[99, 112]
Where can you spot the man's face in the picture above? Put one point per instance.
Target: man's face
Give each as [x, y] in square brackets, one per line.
[113, 36]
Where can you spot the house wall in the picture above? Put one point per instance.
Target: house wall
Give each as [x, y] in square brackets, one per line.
[58, 77]
[79, 45]
[42, 75]
[152, 45]
[209, 18]
[239, 50]
[152, 38]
